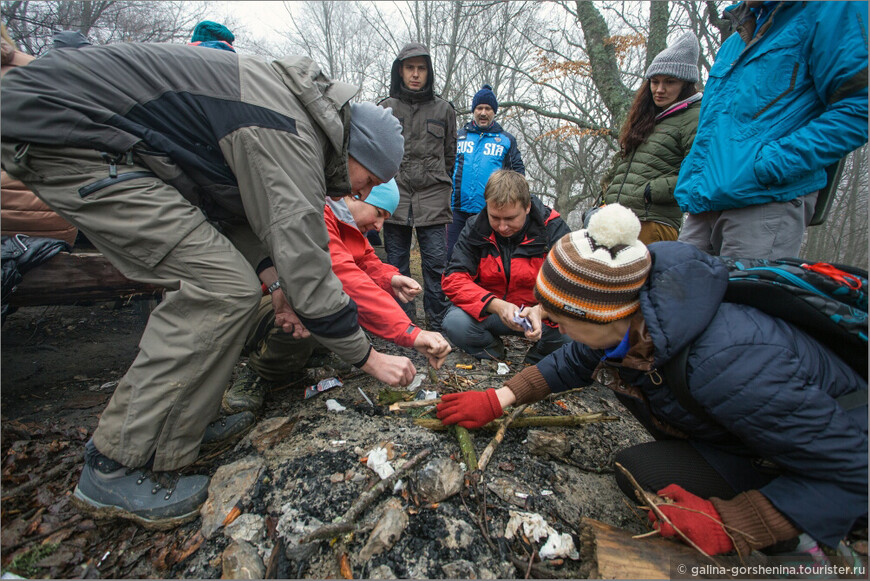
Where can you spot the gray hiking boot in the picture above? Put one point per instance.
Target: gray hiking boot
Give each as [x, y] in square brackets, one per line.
[226, 429]
[154, 500]
[247, 393]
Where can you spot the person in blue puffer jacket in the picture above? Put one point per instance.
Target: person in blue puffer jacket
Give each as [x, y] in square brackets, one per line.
[482, 147]
[786, 97]
[778, 455]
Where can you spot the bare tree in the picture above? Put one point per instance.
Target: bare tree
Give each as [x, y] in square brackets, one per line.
[32, 24]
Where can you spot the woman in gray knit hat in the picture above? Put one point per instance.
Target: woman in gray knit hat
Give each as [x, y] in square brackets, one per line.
[655, 138]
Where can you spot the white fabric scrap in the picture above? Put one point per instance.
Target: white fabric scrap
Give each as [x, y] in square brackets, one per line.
[503, 369]
[535, 527]
[333, 406]
[378, 462]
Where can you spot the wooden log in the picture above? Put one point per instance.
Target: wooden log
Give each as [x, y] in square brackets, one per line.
[612, 553]
[608, 552]
[70, 278]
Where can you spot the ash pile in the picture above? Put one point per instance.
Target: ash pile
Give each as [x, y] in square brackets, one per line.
[360, 481]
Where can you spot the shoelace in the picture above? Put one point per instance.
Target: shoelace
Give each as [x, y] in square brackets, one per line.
[162, 480]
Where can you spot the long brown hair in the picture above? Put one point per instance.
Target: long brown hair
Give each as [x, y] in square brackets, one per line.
[641, 120]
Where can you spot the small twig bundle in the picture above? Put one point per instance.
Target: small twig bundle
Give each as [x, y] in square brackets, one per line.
[653, 502]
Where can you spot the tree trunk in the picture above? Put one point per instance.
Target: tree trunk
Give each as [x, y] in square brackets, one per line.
[603, 62]
[659, 12]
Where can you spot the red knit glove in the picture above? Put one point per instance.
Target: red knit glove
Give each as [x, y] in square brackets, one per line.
[706, 532]
[469, 409]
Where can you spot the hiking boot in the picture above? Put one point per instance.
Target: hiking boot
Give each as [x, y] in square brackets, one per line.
[154, 500]
[226, 429]
[247, 393]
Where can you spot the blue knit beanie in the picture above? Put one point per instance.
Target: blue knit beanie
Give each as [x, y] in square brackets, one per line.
[385, 196]
[208, 30]
[485, 96]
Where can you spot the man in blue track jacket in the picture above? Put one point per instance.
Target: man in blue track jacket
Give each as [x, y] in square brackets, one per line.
[786, 97]
[482, 147]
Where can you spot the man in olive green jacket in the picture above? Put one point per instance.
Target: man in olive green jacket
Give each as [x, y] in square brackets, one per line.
[424, 180]
[196, 170]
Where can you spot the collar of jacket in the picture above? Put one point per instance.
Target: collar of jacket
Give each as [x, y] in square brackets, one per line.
[744, 21]
[413, 97]
[676, 107]
[341, 212]
[494, 127]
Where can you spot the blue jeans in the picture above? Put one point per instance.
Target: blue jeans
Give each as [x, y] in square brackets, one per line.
[433, 256]
[481, 338]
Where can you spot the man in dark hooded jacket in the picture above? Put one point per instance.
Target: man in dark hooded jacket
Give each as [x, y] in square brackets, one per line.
[425, 184]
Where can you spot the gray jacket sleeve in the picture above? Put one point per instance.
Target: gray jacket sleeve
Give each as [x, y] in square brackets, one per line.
[281, 179]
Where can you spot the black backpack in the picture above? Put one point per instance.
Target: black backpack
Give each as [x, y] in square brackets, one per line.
[826, 301]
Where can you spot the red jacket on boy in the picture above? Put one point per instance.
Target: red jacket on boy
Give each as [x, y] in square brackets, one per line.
[365, 278]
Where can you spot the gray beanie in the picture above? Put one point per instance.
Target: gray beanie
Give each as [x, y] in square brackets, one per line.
[680, 60]
[376, 139]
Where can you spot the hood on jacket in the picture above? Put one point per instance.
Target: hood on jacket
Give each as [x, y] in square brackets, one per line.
[398, 89]
[681, 295]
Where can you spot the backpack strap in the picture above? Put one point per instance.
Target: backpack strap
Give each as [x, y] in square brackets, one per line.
[853, 400]
[674, 371]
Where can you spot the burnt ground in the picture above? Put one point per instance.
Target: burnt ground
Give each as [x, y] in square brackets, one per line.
[60, 365]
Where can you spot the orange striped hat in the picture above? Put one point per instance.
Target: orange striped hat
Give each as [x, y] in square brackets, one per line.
[595, 274]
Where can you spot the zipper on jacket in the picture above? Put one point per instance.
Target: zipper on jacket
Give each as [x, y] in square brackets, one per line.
[622, 185]
[98, 185]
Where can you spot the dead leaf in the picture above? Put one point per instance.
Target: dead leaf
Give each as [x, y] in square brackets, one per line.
[344, 566]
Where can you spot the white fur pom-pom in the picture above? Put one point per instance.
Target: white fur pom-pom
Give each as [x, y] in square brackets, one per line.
[614, 224]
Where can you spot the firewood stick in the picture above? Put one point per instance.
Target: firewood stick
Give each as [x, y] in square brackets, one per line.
[404, 405]
[467, 448]
[531, 421]
[499, 436]
[345, 524]
[653, 501]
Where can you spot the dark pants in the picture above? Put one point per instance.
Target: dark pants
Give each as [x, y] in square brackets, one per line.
[454, 229]
[433, 255]
[481, 338]
[700, 468]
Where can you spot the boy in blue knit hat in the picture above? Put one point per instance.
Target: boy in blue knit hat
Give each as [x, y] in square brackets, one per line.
[213, 35]
[482, 147]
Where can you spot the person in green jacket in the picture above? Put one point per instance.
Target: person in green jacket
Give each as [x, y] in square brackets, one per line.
[654, 140]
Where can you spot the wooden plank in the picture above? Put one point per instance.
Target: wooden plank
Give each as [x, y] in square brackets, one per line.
[67, 279]
[614, 554]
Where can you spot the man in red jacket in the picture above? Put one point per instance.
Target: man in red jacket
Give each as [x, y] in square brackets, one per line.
[275, 356]
[492, 272]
